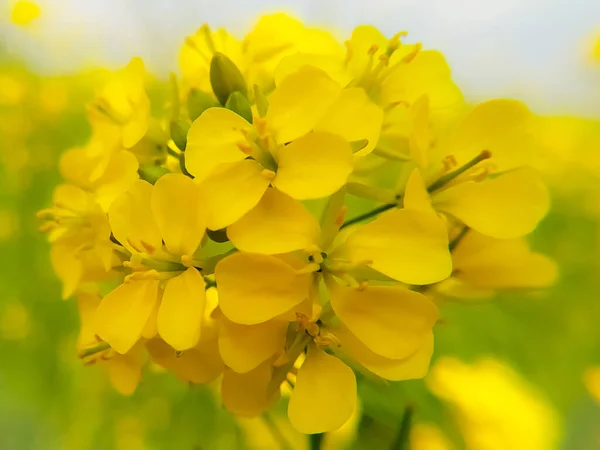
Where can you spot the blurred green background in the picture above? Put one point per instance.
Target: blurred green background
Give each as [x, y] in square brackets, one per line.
[542, 391]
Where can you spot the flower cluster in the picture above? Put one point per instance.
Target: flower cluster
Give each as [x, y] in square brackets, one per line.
[229, 238]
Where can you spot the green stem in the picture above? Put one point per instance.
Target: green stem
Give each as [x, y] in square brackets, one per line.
[454, 242]
[315, 441]
[443, 181]
[93, 350]
[402, 440]
[368, 215]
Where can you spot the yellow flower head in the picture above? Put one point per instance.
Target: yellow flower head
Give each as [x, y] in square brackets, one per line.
[210, 234]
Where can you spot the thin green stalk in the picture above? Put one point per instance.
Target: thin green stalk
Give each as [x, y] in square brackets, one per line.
[368, 215]
[402, 441]
[315, 441]
[443, 181]
[276, 432]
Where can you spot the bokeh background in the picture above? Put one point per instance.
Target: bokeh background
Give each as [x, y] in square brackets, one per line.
[519, 372]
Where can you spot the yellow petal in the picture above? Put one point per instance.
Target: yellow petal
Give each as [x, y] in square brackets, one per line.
[232, 190]
[244, 347]
[278, 224]
[180, 315]
[334, 67]
[420, 138]
[213, 140]
[132, 221]
[364, 38]
[273, 36]
[67, 266]
[354, 116]
[299, 102]
[325, 394]
[125, 371]
[407, 245]
[488, 263]
[120, 174]
[314, 166]
[151, 329]
[123, 313]
[427, 74]
[247, 394]
[508, 206]
[254, 288]
[87, 303]
[197, 52]
[178, 212]
[392, 322]
[412, 367]
[199, 365]
[416, 196]
[503, 127]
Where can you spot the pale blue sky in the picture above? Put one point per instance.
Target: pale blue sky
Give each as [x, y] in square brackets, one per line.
[534, 50]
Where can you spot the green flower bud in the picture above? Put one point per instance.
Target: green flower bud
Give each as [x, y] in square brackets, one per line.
[238, 103]
[151, 173]
[225, 78]
[179, 130]
[198, 102]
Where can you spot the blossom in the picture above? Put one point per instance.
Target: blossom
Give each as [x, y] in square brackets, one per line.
[483, 265]
[299, 147]
[141, 220]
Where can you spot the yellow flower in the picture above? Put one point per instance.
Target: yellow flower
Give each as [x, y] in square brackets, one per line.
[483, 265]
[394, 76]
[105, 176]
[80, 236]
[142, 219]
[123, 107]
[124, 371]
[301, 147]
[260, 293]
[272, 38]
[505, 206]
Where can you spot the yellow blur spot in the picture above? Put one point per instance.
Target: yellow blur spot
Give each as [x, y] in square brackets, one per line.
[596, 52]
[425, 436]
[12, 90]
[129, 434]
[8, 224]
[53, 97]
[495, 408]
[591, 380]
[24, 12]
[15, 323]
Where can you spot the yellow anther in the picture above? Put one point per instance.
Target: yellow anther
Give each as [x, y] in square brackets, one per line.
[309, 268]
[373, 49]
[186, 260]
[339, 220]
[408, 58]
[305, 324]
[449, 163]
[268, 174]
[362, 286]
[260, 125]
[149, 248]
[245, 147]
[326, 339]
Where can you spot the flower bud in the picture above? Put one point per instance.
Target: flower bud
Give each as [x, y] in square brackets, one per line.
[198, 102]
[225, 77]
[151, 173]
[239, 104]
[179, 130]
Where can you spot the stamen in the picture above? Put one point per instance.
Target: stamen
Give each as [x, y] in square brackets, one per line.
[443, 181]
[268, 174]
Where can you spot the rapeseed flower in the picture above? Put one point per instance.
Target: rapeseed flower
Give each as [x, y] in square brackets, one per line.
[217, 265]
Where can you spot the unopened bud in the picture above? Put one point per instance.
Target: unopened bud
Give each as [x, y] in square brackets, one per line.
[179, 130]
[152, 173]
[225, 78]
[198, 102]
[239, 104]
